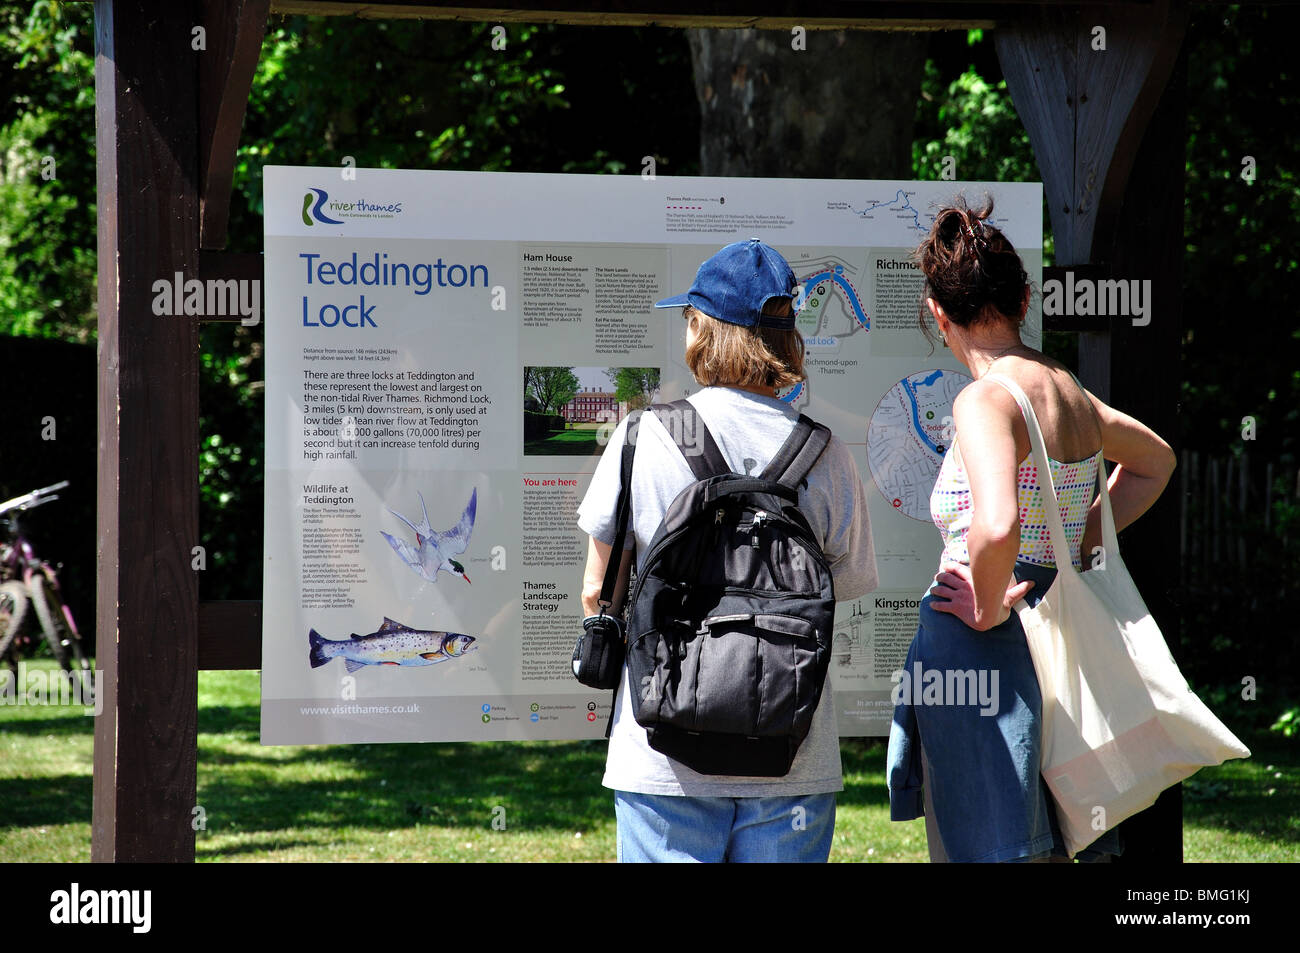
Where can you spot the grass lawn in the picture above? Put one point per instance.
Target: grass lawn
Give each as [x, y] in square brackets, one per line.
[577, 440]
[438, 801]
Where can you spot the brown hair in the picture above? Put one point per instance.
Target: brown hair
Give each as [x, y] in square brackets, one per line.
[971, 269]
[725, 354]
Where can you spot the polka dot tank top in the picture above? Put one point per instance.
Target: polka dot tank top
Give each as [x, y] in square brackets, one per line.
[950, 507]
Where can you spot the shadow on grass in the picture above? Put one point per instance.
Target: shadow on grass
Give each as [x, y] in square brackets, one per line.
[864, 773]
[545, 787]
[62, 726]
[38, 802]
[1259, 795]
[552, 786]
[260, 847]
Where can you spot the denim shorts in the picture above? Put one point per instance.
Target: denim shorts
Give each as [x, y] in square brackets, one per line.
[663, 827]
[983, 745]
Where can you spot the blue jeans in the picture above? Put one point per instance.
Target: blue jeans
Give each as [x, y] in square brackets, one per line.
[982, 766]
[660, 827]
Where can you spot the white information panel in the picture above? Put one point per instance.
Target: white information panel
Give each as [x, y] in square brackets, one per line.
[423, 562]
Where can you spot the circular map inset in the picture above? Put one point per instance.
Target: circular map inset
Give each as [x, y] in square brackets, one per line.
[909, 433]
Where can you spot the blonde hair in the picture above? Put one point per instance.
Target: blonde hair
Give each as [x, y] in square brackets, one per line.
[725, 354]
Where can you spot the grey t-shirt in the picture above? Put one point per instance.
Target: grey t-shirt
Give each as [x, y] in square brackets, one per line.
[749, 429]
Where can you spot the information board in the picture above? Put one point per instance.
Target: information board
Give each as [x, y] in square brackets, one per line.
[423, 565]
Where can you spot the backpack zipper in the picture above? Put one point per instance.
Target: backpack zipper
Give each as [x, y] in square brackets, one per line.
[814, 550]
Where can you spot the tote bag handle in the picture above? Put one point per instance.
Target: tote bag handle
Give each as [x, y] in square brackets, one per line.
[1109, 537]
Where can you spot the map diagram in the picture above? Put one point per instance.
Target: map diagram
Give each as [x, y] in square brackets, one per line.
[908, 435]
[831, 304]
[908, 215]
[901, 205]
[829, 309]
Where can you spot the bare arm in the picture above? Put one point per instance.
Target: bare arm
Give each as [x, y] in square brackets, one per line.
[984, 415]
[598, 554]
[1145, 464]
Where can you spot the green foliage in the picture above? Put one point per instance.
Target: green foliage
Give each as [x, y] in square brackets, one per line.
[1288, 723]
[975, 122]
[551, 387]
[47, 172]
[635, 385]
[1241, 349]
[420, 94]
[231, 445]
[1241, 345]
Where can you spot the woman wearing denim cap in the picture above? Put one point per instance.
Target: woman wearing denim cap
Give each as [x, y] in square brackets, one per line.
[975, 768]
[741, 346]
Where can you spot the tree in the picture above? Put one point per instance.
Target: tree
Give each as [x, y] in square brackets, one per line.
[551, 387]
[841, 107]
[47, 172]
[634, 385]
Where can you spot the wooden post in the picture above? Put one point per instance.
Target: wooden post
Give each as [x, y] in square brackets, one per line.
[147, 603]
[1146, 382]
[234, 42]
[1107, 128]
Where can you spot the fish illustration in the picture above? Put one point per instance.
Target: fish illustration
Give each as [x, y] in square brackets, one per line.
[433, 552]
[393, 644]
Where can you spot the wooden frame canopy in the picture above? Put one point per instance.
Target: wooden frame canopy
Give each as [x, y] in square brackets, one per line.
[726, 14]
[1107, 130]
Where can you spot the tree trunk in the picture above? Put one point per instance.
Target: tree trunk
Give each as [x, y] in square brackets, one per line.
[842, 108]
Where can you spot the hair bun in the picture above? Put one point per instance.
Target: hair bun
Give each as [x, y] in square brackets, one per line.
[970, 268]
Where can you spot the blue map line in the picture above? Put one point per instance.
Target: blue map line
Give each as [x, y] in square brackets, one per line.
[791, 397]
[848, 293]
[907, 205]
[910, 390]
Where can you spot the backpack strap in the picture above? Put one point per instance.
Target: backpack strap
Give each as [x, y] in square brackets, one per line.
[623, 510]
[798, 454]
[623, 513]
[686, 427]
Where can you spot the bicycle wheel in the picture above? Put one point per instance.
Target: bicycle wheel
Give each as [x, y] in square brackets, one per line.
[13, 612]
[62, 638]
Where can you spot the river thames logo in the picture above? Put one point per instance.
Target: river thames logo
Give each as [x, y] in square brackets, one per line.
[317, 206]
[321, 197]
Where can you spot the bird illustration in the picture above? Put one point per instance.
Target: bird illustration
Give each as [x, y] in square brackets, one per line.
[433, 552]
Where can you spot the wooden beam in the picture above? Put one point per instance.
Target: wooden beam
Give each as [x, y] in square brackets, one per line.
[233, 37]
[1066, 322]
[146, 84]
[763, 14]
[1146, 381]
[230, 635]
[1086, 108]
[223, 266]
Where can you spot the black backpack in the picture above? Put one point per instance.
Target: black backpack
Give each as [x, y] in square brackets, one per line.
[731, 613]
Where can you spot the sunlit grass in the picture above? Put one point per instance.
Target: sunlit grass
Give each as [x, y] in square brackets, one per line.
[438, 802]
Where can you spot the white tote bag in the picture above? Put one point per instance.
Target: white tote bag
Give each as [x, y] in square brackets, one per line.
[1120, 723]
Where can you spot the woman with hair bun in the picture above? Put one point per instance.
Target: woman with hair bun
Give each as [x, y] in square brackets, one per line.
[973, 769]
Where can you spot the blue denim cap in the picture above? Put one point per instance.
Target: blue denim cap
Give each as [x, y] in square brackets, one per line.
[736, 283]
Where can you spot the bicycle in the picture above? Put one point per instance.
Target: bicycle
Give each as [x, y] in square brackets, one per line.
[26, 581]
